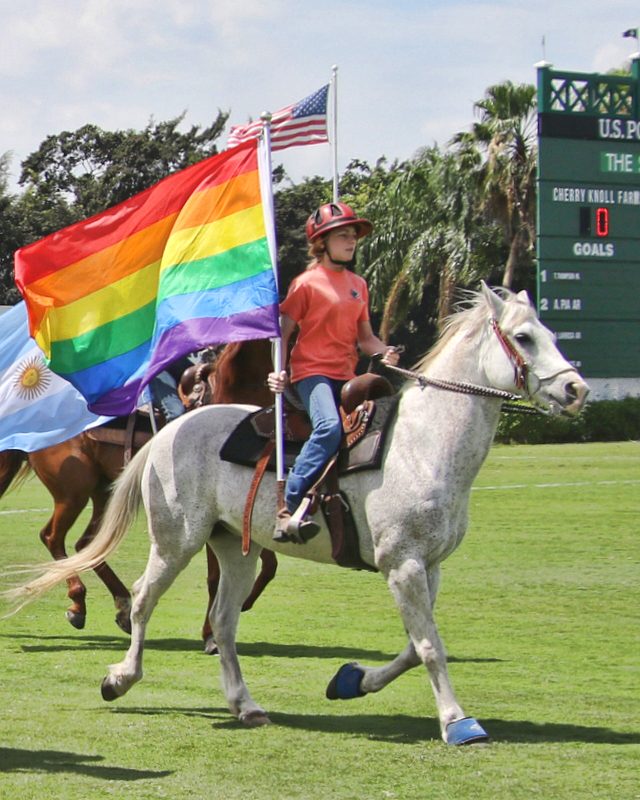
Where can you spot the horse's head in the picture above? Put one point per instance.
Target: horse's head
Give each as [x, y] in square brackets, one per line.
[520, 355]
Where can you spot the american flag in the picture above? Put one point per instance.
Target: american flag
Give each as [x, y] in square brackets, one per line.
[302, 123]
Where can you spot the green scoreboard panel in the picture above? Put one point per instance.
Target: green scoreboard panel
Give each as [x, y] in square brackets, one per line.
[588, 242]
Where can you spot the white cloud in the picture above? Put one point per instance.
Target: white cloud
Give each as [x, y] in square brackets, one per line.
[409, 73]
[610, 55]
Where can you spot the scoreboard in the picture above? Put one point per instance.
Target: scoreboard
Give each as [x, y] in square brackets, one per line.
[588, 241]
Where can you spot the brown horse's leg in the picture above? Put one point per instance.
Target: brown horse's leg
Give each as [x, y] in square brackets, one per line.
[213, 580]
[74, 473]
[11, 462]
[53, 536]
[267, 574]
[119, 592]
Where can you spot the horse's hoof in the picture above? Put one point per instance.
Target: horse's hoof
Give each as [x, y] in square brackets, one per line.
[345, 684]
[255, 719]
[210, 646]
[77, 620]
[123, 621]
[108, 691]
[466, 731]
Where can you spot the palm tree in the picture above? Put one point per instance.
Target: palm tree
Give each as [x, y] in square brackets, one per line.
[396, 259]
[427, 230]
[507, 135]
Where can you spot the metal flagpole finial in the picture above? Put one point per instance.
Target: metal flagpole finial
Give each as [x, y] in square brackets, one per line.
[544, 63]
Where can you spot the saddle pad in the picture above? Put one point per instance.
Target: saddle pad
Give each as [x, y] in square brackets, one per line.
[244, 445]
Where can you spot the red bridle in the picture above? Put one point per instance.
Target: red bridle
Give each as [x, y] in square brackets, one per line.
[520, 366]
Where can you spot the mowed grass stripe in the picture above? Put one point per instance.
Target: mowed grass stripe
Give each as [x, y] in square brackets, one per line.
[553, 485]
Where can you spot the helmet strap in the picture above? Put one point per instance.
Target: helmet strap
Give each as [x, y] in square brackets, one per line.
[339, 262]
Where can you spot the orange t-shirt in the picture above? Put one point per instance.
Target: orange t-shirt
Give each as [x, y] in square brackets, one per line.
[327, 306]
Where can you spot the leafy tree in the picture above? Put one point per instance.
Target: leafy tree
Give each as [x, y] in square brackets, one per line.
[429, 236]
[506, 134]
[10, 235]
[294, 204]
[75, 175]
[361, 183]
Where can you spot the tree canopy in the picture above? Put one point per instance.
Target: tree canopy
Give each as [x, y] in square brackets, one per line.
[506, 134]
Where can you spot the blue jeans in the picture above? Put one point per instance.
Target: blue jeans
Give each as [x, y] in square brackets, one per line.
[320, 397]
[164, 391]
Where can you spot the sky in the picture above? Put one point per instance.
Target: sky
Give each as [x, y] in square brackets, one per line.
[409, 71]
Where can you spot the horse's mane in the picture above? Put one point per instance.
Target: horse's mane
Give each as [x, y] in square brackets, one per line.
[227, 355]
[470, 317]
[241, 373]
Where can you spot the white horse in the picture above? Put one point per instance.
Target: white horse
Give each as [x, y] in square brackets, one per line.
[410, 515]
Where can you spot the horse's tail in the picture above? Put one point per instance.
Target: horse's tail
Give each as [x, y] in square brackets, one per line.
[12, 463]
[120, 513]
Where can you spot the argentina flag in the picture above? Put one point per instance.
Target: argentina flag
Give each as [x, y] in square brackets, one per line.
[37, 407]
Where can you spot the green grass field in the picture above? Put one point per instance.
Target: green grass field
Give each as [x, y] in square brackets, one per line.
[539, 610]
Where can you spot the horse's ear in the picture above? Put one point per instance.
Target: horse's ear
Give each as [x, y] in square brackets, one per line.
[523, 297]
[494, 301]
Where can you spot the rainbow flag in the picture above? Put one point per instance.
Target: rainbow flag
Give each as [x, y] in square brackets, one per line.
[188, 263]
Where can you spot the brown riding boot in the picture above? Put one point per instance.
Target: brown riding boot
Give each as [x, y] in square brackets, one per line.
[294, 528]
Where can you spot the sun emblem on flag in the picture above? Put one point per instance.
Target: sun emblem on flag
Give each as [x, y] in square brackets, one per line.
[32, 378]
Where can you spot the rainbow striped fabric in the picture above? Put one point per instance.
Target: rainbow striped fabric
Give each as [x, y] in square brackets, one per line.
[188, 263]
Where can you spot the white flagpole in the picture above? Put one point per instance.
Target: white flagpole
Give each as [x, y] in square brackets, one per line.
[334, 132]
[277, 342]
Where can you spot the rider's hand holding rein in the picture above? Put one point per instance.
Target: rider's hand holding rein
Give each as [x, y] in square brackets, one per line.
[390, 357]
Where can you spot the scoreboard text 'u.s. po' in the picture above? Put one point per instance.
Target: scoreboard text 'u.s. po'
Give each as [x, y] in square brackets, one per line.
[588, 242]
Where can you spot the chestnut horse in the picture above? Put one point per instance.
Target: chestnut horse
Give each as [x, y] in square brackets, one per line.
[83, 469]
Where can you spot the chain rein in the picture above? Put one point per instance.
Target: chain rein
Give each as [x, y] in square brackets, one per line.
[513, 401]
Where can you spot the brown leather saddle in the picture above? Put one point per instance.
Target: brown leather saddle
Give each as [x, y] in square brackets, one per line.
[368, 404]
[131, 432]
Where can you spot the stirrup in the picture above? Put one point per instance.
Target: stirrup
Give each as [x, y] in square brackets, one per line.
[299, 530]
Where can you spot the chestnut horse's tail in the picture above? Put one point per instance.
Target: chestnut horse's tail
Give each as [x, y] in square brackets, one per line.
[120, 512]
[12, 463]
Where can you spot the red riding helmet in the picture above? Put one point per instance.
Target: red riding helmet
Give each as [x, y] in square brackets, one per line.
[335, 215]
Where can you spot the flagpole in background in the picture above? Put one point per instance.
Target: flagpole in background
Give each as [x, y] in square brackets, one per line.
[277, 341]
[632, 33]
[334, 132]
